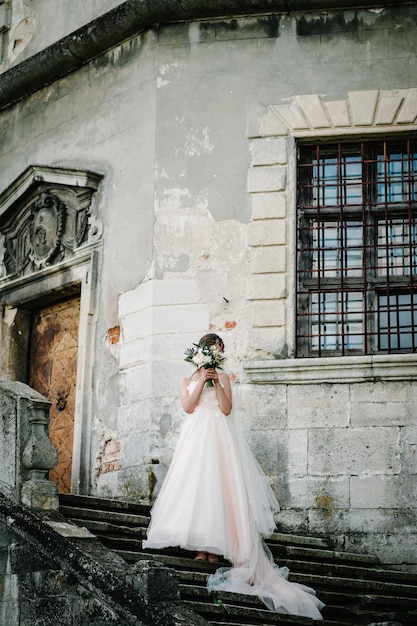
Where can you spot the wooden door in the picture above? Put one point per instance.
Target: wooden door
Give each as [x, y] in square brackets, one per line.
[53, 372]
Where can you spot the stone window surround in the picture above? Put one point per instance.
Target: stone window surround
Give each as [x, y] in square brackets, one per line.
[76, 276]
[272, 185]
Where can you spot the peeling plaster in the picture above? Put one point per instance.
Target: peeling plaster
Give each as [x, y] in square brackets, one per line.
[161, 83]
[164, 69]
[173, 198]
[109, 454]
[9, 315]
[171, 263]
[198, 142]
[21, 37]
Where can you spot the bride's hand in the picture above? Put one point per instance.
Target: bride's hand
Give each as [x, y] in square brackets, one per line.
[211, 374]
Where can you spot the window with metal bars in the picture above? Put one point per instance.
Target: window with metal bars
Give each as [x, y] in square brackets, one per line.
[357, 248]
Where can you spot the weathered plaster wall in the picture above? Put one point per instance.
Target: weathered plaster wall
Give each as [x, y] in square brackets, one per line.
[28, 28]
[168, 119]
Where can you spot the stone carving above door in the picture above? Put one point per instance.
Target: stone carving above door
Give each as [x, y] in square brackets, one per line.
[48, 222]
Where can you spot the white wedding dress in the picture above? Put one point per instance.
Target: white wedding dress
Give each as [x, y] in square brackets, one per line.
[215, 498]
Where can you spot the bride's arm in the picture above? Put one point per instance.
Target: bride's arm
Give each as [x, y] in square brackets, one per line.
[223, 393]
[189, 400]
[221, 382]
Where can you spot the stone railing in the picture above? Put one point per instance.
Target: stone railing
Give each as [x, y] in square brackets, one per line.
[25, 449]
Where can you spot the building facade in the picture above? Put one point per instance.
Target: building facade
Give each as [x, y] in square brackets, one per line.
[249, 169]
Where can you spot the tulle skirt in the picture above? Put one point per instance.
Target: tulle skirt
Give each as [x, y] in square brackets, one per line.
[260, 576]
[216, 498]
[212, 483]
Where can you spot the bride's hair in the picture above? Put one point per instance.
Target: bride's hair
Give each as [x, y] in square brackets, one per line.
[212, 339]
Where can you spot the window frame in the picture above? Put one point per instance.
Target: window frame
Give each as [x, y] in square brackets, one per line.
[314, 208]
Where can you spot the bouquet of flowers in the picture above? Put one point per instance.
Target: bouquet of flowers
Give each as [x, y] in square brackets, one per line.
[205, 356]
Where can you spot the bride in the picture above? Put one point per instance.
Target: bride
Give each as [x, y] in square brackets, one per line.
[215, 499]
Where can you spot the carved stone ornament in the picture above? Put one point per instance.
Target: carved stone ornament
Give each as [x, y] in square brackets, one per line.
[48, 227]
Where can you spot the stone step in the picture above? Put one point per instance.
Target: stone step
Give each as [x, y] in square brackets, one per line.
[322, 579]
[309, 555]
[114, 526]
[369, 578]
[102, 504]
[199, 595]
[355, 601]
[127, 519]
[335, 562]
[128, 513]
[357, 590]
[227, 613]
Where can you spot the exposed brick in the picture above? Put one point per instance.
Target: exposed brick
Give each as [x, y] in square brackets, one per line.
[113, 335]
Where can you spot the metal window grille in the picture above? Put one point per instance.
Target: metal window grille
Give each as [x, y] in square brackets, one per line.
[357, 248]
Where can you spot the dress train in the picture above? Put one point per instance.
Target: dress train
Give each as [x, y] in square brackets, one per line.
[260, 576]
[216, 498]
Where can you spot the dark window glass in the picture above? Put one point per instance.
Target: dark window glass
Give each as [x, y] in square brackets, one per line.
[357, 248]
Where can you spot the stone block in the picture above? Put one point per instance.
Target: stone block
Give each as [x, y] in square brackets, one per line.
[137, 325]
[162, 347]
[132, 483]
[382, 492]
[154, 293]
[363, 106]
[268, 313]
[261, 407]
[267, 259]
[370, 521]
[389, 403]
[409, 435]
[40, 495]
[271, 151]
[297, 452]
[267, 233]
[265, 342]
[267, 178]
[173, 345]
[152, 380]
[271, 205]
[354, 451]
[269, 450]
[154, 582]
[136, 299]
[136, 384]
[166, 378]
[135, 449]
[134, 417]
[164, 319]
[136, 352]
[270, 124]
[290, 520]
[380, 413]
[327, 496]
[180, 318]
[266, 287]
[324, 406]
[390, 547]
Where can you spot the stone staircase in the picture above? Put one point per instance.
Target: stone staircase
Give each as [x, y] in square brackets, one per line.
[357, 590]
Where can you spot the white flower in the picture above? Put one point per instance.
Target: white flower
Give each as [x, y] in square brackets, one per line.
[199, 359]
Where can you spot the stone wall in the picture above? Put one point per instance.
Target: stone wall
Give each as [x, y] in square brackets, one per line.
[192, 130]
[53, 572]
[340, 456]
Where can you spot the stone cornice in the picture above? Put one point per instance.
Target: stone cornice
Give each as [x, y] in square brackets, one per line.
[134, 16]
[351, 369]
